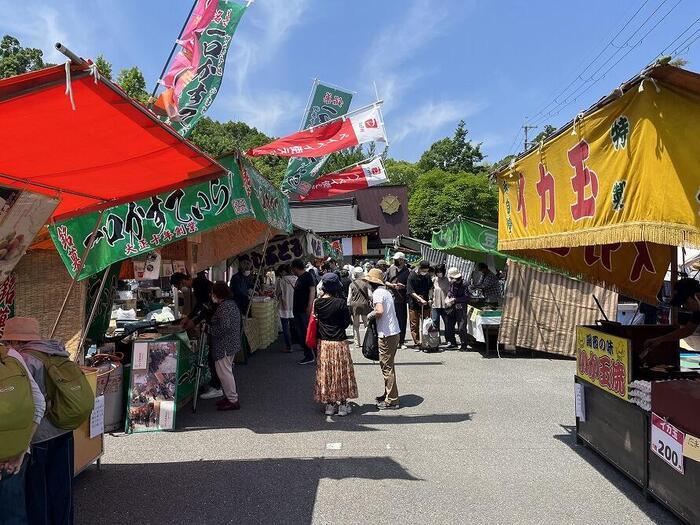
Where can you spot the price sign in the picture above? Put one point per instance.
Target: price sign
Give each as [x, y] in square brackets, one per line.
[667, 442]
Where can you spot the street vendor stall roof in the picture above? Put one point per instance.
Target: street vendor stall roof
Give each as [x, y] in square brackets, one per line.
[107, 151]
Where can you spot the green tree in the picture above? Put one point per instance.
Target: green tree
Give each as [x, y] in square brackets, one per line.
[104, 67]
[440, 196]
[15, 59]
[453, 154]
[132, 82]
[402, 172]
[542, 135]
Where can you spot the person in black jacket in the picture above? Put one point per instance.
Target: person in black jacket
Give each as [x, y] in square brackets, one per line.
[335, 375]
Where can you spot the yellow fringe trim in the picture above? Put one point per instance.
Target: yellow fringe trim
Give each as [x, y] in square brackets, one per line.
[657, 233]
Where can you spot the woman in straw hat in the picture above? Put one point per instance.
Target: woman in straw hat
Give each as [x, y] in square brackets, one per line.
[388, 330]
[335, 375]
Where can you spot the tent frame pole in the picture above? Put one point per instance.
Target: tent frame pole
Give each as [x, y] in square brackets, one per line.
[255, 285]
[85, 255]
[673, 317]
[93, 311]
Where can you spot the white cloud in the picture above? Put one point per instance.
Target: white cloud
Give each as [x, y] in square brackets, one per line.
[397, 45]
[40, 25]
[431, 117]
[271, 22]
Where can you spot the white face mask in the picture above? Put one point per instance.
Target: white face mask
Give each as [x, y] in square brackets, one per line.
[423, 272]
[246, 273]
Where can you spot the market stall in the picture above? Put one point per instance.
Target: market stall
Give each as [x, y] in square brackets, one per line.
[608, 198]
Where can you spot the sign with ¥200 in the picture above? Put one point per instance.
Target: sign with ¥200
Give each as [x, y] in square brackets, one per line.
[667, 442]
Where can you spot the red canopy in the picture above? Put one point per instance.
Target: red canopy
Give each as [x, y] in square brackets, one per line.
[108, 151]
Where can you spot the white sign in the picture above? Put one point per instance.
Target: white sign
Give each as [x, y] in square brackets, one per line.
[97, 417]
[667, 442]
[167, 415]
[580, 396]
[140, 356]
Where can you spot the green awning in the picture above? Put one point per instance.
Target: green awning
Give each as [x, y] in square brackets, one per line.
[469, 240]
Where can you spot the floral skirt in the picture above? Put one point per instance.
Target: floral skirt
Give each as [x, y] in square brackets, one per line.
[335, 375]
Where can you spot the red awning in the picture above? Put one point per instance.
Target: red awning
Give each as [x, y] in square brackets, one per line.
[108, 151]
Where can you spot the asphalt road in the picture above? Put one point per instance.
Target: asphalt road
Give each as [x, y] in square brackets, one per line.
[478, 440]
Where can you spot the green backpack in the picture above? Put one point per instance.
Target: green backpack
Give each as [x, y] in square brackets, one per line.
[69, 398]
[16, 407]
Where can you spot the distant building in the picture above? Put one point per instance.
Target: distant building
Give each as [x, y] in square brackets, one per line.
[365, 222]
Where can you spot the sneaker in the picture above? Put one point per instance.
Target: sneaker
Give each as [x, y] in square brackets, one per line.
[228, 406]
[223, 401]
[330, 409]
[307, 361]
[212, 393]
[381, 399]
[452, 346]
[387, 406]
[417, 348]
[344, 410]
[403, 347]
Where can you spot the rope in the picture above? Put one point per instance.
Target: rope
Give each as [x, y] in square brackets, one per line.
[69, 86]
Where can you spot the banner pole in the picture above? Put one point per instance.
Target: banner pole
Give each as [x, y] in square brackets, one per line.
[151, 99]
[86, 252]
[378, 103]
[308, 104]
[93, 311]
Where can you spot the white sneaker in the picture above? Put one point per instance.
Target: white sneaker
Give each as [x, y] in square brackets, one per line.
[330, 409]
[344, 410]
[212, 393]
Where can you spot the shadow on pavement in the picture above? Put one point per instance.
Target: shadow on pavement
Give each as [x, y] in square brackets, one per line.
[655, 512]
[247, 491]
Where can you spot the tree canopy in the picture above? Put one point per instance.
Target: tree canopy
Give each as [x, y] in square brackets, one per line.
[453, 154]
[132, 82]
[15, 59]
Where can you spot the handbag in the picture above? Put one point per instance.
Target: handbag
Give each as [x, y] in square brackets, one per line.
[312, 331]
[370, 344]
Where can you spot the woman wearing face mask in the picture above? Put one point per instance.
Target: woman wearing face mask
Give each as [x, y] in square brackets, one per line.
[441, 287]
[242, 285]
[225, 343]
[418, 290]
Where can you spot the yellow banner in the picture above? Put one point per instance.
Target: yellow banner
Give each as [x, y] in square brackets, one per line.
[603, 360]
[627, 172]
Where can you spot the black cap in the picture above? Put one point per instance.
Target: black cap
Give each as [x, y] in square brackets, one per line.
[685, 288]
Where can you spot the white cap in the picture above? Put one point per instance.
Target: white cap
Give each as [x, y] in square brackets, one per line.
[399, 255]
[453, 273]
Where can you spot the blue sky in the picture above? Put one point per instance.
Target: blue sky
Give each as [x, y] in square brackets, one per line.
[493, 63]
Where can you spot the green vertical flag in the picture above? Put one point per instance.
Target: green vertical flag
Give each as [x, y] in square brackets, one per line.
[326, 103]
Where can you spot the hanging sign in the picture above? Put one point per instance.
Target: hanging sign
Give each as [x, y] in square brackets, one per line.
[667, 442]
[139, 227]
[603, 360]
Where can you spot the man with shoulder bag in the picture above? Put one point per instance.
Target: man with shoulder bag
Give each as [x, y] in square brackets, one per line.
[360, 302]
[456, 301]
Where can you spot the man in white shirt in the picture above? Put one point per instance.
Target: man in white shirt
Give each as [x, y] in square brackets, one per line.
[388, 330]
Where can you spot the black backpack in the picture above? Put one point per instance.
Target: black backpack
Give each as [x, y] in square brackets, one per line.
[370, 345]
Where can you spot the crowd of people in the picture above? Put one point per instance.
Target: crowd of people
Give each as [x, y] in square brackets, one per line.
[398, 298]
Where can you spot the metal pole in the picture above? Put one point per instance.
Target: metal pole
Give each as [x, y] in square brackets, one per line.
[673, 317]
[308, 105]
[170, 56]
[257, 277]
[93, 311]
[86, 252]
[71, 56]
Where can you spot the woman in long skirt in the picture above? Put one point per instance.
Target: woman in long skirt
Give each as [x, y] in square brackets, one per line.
[335, 375]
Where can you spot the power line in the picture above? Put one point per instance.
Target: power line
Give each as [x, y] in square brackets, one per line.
[602, 51]
[678, 38]
[593, 81]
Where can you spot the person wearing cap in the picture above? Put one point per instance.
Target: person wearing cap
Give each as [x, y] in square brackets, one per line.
[396, 278]
[382, 265]
[49, 477]
[441, 287]
[418, 290]
[457, 298]
[13, 471]
[686, 296]
[388, 330]
[242, 285]
[335, 373]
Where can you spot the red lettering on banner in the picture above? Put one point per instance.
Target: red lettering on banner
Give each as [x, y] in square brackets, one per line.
[584, 177]
[605, 371]
[641, 262]
[605, 257]
[521, 199]
[619, 383]
[545, 189]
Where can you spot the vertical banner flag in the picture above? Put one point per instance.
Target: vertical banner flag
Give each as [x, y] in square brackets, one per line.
[364, 175]
[195, 75]
[359, 127]
[326, 103]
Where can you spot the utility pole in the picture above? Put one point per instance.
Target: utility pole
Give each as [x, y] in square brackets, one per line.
[527, 129]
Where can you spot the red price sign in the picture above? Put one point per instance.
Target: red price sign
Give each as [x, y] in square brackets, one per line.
[667, 442]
